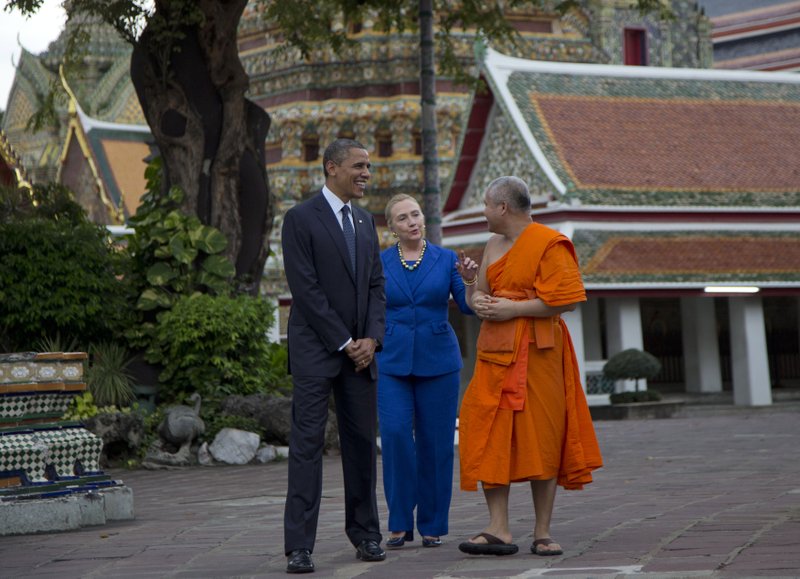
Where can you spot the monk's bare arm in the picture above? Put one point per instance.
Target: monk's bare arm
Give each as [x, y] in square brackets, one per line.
[501, 309]
[482, 292]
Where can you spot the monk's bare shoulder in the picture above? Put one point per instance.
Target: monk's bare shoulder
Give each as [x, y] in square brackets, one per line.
[496, 247]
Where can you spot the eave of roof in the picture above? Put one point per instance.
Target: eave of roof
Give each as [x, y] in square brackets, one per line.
[737, 235]
[766, 20]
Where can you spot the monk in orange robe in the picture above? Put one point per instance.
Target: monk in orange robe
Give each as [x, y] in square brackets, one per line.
[524, 415]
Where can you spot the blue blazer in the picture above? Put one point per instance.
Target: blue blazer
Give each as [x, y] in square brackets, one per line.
[419, 340]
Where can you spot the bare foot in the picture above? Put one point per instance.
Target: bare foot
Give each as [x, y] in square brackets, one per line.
[504, 536]
[546, 546]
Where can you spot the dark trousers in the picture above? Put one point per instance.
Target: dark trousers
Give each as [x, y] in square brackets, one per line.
[356, 412]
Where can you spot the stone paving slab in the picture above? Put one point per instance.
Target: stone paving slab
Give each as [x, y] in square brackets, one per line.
[699, 496]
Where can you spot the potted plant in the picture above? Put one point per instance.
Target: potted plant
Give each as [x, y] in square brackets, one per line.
[634, 364]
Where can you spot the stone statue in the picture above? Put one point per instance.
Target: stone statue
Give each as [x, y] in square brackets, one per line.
[182, 424]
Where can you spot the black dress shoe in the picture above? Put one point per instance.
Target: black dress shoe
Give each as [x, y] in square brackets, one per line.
[431, 542]
[369, 550]
[299, 561]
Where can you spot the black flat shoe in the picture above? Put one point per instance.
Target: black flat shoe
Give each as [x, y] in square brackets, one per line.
[299, 561]
[431, 542]
[397, 542]
[369, 550]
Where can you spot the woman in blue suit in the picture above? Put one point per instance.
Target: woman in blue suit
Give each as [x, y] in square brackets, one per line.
[418, 375]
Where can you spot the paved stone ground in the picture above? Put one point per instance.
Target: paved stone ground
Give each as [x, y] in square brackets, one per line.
[708, 494]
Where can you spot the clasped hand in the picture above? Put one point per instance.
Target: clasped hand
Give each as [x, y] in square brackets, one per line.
[361, 352]
[496, 309]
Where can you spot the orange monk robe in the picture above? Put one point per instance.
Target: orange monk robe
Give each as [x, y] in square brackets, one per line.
[524, 415]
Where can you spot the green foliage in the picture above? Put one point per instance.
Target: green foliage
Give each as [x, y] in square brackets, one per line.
[215, 345]
[84, 406]
[58, 272]
[107, 377]
[171, 255]
[628, 397]
[631, 364]
[150, 435]
[215, 422]
[81, 407]
[56, 344]
[51, 201]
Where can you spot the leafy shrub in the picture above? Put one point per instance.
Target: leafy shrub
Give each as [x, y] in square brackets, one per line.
[56, 344]
[632, 364]
[213, 345]
[627, 397]
[50, 201]
[171, 255]
[58, 272]
[107, 377]
[83, 406]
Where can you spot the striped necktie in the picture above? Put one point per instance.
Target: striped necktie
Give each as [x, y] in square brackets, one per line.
[349, 235]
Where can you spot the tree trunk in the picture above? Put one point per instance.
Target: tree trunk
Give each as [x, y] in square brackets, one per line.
[210, 137]
[432, 204]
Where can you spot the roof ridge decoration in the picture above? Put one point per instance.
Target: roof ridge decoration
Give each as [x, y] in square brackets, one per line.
[10, 158]
[621, 135]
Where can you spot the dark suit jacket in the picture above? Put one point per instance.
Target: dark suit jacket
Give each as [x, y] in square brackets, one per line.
[419, 339]
[329, 304]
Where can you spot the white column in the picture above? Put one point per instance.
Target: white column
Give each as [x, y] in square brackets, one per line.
[624, 331]
[274, 332]
[592, 339]
[700, 345]
[574, 321]
[749, 363]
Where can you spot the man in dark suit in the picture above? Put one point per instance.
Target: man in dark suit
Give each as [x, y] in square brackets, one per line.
[332, 261]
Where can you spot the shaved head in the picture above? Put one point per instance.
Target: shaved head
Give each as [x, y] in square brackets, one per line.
[512, 191]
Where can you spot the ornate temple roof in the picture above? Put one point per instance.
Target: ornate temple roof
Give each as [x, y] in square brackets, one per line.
[102, 85]
[667, 180]
[104, 164]
[615, 135]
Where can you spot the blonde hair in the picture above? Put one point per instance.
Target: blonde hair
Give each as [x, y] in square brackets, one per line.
[394, 201]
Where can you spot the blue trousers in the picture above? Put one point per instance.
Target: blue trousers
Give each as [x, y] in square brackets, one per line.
[417, 417]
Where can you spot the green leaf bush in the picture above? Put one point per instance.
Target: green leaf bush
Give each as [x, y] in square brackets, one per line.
[216, 346]
[84, 406]
[638, 396]
[108, 377]
[58, 272]
[171, 255]
[632, 364]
